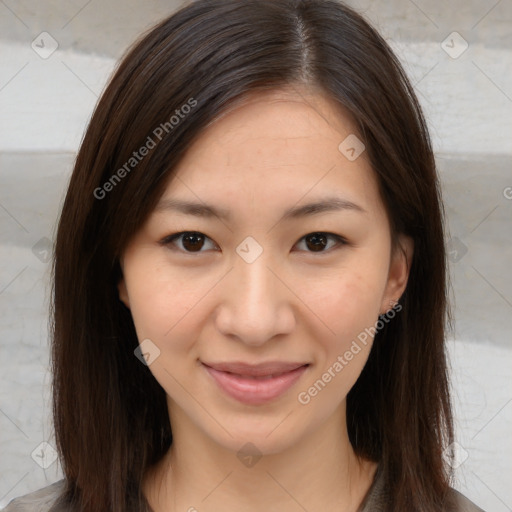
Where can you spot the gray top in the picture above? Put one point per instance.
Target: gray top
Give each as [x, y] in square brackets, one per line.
[375, 501]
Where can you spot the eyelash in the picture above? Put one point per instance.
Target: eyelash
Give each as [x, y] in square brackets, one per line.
[169, 240]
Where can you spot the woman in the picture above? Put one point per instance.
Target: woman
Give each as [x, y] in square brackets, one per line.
[249, 277]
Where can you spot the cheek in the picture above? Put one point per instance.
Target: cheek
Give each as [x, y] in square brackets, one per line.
[166, 309]
[348, 303]
[349, 306]
[161, 302]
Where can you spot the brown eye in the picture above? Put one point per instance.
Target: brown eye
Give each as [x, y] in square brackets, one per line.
[317, 242]
[191, 241]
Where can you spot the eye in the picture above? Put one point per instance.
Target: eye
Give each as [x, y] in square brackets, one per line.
[193, 241]
[317, 241]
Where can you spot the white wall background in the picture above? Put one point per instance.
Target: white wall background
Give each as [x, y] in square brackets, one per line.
[45, 104]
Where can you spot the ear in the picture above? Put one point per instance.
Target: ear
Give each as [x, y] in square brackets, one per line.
[399, 267]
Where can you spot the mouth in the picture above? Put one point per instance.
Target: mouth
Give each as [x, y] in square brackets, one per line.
[255, 384]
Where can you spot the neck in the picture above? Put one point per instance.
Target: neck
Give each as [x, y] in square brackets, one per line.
[319, 473]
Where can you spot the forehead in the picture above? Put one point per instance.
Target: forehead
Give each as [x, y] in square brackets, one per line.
[263, 122]
[274, 147]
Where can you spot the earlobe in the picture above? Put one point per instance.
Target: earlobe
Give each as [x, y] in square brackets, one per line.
[399, 269]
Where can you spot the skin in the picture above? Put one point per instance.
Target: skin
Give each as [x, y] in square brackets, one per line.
[276, 150]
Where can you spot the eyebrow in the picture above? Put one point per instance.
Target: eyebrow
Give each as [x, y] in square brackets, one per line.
[322, 205]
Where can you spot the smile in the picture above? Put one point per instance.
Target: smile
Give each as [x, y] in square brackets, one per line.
[255, 389]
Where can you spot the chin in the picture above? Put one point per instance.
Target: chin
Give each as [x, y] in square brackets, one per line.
[258, 436]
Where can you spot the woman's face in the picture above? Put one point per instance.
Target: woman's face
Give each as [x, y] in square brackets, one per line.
[265, 280]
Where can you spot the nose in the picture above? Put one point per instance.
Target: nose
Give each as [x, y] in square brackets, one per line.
[256, 304]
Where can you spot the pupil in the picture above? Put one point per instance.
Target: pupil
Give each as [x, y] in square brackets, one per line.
[319, 242]
[195, 241]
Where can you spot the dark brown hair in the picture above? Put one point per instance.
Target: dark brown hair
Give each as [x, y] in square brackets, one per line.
[110, 414]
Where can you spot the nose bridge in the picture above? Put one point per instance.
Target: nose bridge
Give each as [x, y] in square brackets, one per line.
[254, 306]
[255, 283]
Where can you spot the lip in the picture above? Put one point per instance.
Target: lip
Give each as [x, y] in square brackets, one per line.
[255, 384]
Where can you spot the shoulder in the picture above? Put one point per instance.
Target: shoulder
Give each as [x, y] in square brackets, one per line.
[41, 500]
[378, 499]
[462, 504]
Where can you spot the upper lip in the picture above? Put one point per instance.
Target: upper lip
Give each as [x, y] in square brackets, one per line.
[255, 370]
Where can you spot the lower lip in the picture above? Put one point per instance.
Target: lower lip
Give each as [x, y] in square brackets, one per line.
[255, 391]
